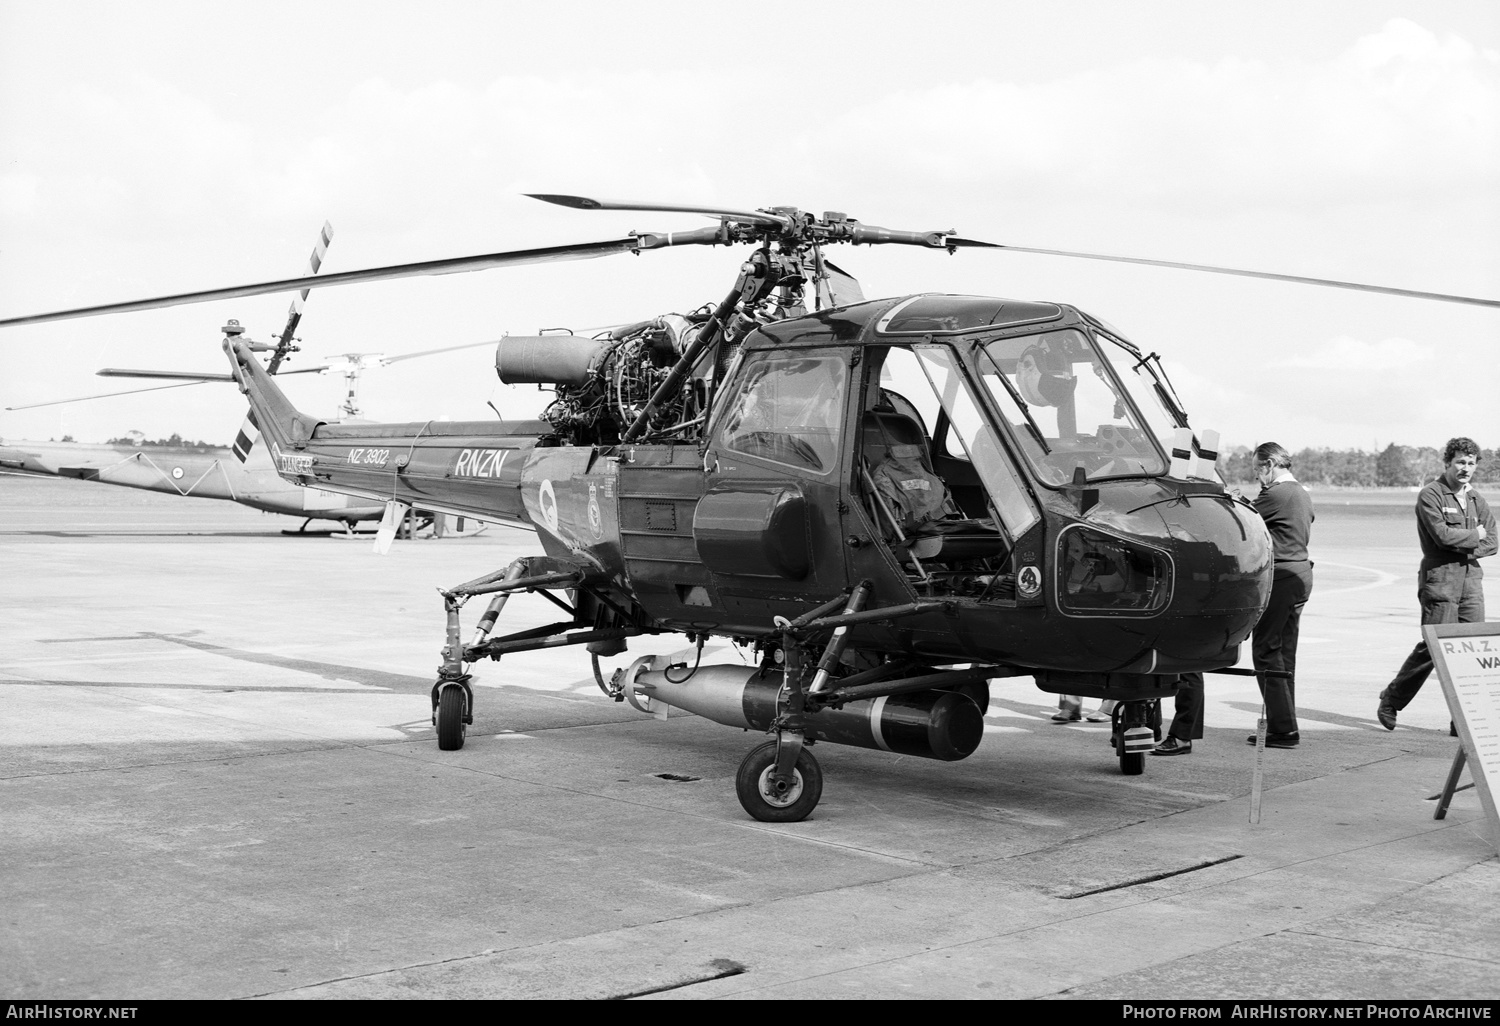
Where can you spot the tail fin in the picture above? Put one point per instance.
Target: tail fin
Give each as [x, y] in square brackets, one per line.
[286, 428]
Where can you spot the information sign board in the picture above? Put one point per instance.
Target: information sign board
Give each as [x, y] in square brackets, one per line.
[1467, 659]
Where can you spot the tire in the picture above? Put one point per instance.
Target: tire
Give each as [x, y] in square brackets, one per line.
[1133, 764]
[450, 718]
[752, 781]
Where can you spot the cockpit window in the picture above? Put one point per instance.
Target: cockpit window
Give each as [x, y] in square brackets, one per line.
[789, 409]
[1067, 409]
[1146, 381]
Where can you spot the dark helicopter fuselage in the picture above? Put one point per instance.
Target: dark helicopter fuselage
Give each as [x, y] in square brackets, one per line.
[998, 473]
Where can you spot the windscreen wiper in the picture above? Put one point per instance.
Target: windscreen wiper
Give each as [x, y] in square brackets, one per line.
[1031, 424]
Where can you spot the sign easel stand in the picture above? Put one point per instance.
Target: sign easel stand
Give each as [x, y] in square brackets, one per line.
[1467, 659]
[1451, 785]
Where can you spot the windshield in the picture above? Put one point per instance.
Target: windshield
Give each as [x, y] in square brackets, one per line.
[1068, 410]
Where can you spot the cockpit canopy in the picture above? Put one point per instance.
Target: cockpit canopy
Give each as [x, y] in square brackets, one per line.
[1067, 409]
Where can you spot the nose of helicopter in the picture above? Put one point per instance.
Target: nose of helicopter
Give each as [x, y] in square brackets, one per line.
[1171, 579]
[1221, 555]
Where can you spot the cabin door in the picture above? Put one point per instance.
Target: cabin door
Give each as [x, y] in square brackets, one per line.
[769, 526]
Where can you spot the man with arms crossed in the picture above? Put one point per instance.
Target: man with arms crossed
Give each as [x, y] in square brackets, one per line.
[1456, 529]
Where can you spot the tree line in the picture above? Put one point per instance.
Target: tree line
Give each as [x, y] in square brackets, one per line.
[1395, 466]
[174, 441]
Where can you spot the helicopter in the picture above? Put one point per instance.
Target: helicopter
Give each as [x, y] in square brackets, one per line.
[890, 504]
[241, 473]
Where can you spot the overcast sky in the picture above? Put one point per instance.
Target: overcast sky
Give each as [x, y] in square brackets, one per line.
[153, 147]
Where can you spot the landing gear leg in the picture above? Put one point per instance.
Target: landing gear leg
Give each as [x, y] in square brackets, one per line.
[452, 697]
[780, 781]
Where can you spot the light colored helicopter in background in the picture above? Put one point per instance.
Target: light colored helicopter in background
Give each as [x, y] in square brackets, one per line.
[243, 472]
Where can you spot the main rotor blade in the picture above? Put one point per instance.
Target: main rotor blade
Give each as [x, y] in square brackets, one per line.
[431, 352]
[451, 265]
[1441, 297]
[106, 395]
[585, 203]
[123, 372]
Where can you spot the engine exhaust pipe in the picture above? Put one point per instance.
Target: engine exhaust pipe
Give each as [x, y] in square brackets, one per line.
[944, 725]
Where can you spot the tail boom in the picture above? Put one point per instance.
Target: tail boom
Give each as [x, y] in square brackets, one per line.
[467, 468]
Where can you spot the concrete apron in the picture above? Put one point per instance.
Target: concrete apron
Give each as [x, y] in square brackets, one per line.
[218, 779]
[1339, 892]
[556, 865]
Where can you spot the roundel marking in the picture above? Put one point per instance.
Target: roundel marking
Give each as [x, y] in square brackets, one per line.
[546, 501]
[176, 473]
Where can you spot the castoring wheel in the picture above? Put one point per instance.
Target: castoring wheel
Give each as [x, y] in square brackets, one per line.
[450, 718]
[758, 793]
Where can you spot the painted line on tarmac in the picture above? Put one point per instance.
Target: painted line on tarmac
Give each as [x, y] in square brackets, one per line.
[1382, 579]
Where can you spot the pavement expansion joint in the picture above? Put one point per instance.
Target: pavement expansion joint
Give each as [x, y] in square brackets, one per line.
[728, 968]
[1377, 945]
[1151, 878]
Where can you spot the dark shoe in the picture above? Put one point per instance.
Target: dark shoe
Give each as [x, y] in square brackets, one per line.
[1063, 716]
[1278, 740]
[1386, 712]
[1172, 746]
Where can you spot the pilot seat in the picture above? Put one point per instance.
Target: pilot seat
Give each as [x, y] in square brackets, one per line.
[911, 500]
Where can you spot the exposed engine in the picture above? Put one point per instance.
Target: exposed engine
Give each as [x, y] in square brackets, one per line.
[603, 383]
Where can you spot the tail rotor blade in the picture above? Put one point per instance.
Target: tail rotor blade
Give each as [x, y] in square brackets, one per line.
[246, 438]
[294, 315]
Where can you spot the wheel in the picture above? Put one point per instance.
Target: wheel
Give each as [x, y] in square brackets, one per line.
[753, 786]
[450, 718]
[1133, 764]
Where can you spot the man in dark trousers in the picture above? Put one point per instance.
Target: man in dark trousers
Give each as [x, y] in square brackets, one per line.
[1287, 510]
[1187, 724]
[1456, 529]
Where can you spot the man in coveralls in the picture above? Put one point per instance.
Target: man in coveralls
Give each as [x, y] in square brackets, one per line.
[1456, 529]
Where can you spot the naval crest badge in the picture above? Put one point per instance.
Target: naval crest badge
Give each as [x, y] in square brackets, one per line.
[596, 519]
[1028, 581]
